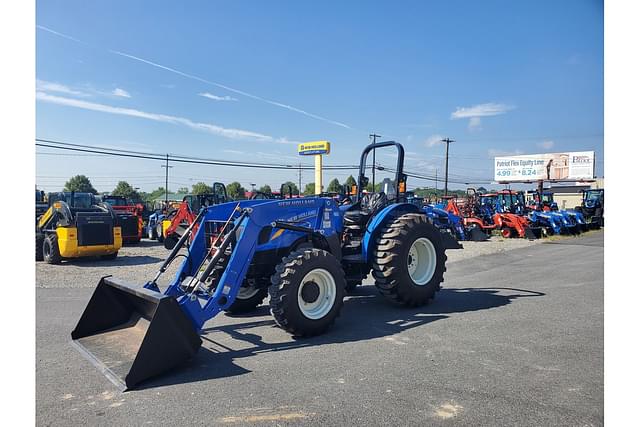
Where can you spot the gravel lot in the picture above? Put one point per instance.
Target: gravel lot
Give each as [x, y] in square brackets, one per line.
[138, 263]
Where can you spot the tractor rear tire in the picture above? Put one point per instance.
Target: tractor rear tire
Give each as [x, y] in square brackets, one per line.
[39, 243]
[110, 256]
[50, 250]
[409, 260]
[306, 292]
[248, 299]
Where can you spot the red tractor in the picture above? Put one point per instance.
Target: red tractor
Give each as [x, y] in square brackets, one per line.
[129, 217]
[486, 212]
[187, 212]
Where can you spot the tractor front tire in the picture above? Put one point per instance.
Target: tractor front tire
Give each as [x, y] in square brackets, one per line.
[409, 260]
[306, 292]
[171, 241]
[39, 243]
[50, 250]
[152, 233]
[159, 232]
[248, 299]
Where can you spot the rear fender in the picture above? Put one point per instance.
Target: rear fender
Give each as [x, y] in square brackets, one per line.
[376, 223]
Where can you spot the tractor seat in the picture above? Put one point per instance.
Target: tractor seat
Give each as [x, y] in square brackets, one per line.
[368, 205]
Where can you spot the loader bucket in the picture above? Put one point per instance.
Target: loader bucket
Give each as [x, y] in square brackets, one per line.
[477, 235]
[450, 242]
[131, 333]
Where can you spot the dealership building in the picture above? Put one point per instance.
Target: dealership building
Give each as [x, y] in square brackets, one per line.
[570, 196]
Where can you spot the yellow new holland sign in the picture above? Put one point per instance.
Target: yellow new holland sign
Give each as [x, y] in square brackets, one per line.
[314, 147]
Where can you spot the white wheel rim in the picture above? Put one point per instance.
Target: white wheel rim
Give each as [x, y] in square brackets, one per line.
[326, 297]
[421, 261]
[246, 292]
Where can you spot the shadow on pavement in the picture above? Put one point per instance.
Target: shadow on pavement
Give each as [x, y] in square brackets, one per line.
[365, 316]
[121, 260]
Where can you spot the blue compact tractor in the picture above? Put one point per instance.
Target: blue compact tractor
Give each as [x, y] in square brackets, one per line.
[305, 253]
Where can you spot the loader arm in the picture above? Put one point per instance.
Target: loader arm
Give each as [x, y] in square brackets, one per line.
[248, 222]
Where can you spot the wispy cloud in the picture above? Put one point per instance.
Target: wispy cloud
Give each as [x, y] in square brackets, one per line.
[546, 145]
[121, 93]
[433, 140]
[494, 152]
[238, 134]
[481, 110]
[200, 79]
[475, 113]
[43, 85]
[216, 97]
[42, 27]
[238, 152]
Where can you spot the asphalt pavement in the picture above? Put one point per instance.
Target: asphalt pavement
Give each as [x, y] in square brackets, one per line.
[514, 338]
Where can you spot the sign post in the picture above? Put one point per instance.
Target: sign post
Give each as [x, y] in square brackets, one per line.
[317, 149]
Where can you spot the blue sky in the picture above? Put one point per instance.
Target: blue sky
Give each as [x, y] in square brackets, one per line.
[246, 80]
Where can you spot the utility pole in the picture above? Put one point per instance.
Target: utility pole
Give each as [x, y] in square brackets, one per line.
[446, 165]
[299, 178]
[373, 165]
[436, 181]
[166, 181]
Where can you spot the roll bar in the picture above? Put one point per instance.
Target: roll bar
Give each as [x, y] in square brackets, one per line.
[400, 176]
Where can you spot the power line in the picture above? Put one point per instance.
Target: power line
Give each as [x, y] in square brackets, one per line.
[177, 158]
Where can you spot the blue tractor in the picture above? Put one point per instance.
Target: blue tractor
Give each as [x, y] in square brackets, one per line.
[449, 223]
[592, 207]
[572, 221]
[305, 253]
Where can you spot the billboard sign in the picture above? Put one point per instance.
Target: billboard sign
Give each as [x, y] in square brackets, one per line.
[315, 147]
[551, 166]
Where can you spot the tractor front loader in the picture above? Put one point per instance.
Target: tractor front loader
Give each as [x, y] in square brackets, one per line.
[76, 226]
[305, 253]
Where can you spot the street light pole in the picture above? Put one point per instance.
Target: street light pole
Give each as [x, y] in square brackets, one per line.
[446, 165]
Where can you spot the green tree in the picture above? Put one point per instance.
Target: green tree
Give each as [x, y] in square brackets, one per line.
[79, 183]
[350, 181]
[201, 188]
[124, 189]
[236, 191]
[155, 194]
[294, 187]
[182, 190]
[378, 187]
[265, 189]
[310, 189]
[334, 186]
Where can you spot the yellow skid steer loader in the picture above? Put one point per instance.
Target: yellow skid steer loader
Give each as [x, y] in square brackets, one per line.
[76, 226]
